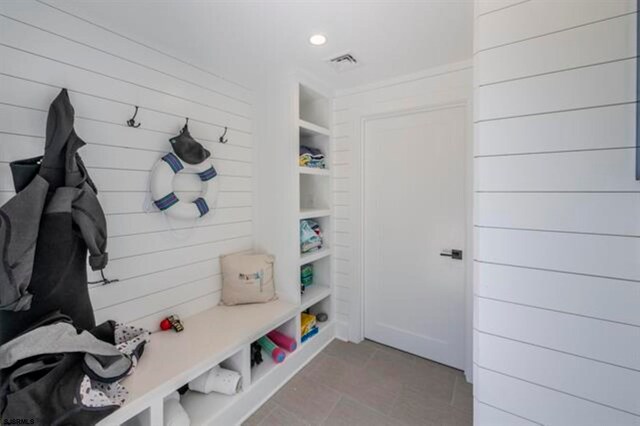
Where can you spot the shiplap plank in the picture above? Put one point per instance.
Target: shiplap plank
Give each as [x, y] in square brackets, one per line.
[46, 70]
[341, 252]
[600, 213]
[66, 25]
[343, 170]
[608, 384]
[118, 292]
[101, 120]
[607, 170]
[341, 212]
[571, 334]
[543, 405]
[488, 415]
[115, 158]
[607, 40]
[340, 184]
[35, 41]
[537, 17]
[343, 280]
[597, 128]
[342, 266]
[342, 293]
[123, 203]
[144, 223]
[147, 305]
[342, 130]
[447, 80]
[342, 225]
[488, 6]
[341, 157]
[138, 244]
[601, 298]
[127, 180]
[578, 88]
[149, 263]
[341, 198]
[606, 256]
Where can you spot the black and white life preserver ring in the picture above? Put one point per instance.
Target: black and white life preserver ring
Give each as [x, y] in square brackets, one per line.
[162, 187]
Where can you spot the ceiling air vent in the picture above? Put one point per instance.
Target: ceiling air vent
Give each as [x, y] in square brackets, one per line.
[344, 62]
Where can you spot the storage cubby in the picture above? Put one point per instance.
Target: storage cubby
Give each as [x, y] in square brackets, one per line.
[203, 408]
[324, 222]
[321, 285]
[259, 371]
[314, 107]
[323, 305]
[314, 193]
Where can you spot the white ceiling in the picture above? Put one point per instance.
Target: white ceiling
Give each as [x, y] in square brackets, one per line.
[243, 40]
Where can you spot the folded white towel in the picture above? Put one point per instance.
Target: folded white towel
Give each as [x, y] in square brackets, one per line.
[218, 379]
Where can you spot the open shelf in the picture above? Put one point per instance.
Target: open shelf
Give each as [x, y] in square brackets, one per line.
[261, 370]
[202, 408]
[313, 171]
[308, 129]
[311, 213]
[315, 255]
[313, 294]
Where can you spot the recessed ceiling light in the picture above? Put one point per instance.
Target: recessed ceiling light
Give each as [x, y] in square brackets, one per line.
[317, 39]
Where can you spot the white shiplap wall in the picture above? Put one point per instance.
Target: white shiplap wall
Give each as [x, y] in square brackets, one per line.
[444, 85]
[163, 268]
[557, 271]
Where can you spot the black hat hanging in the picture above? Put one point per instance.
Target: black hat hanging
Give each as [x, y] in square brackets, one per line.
[188, 149]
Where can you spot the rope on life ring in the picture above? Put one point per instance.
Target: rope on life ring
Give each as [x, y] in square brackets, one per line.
[164, 196]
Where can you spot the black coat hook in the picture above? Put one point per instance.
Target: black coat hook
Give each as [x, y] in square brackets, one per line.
[132, 121]
[222, 139]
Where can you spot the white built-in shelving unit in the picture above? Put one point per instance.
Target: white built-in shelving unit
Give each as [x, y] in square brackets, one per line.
[223, 334]
[315, 202]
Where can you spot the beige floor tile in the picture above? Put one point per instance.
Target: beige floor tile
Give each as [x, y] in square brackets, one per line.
[260, 414]
[413, 408]
[308, 399]
[432, 380]
[462, 395]
[282, 417]
[390, 365]
[354, 354]
[358, 383]
[351, 413]
[456, 417]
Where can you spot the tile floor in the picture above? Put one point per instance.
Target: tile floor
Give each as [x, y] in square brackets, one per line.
[369, 384]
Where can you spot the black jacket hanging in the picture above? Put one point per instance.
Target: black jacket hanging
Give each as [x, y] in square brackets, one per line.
[72, 221]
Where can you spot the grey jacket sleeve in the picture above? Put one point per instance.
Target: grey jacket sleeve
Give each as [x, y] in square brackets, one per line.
[19, 224]
[87, 213]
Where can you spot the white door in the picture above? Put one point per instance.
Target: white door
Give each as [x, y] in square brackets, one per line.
[414, 210]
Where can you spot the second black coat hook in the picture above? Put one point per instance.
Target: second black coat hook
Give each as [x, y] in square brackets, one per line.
[132, 121]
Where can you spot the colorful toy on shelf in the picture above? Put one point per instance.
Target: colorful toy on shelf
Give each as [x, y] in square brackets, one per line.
[307, 322]
[306, 274]
[285, 342]
[310, 334]
[272, 349]
[172, 321]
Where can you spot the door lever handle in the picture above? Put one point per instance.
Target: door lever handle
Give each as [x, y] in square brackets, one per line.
[455, 254]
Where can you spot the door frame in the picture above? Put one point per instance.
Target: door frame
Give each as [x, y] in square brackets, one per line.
[357, 302]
